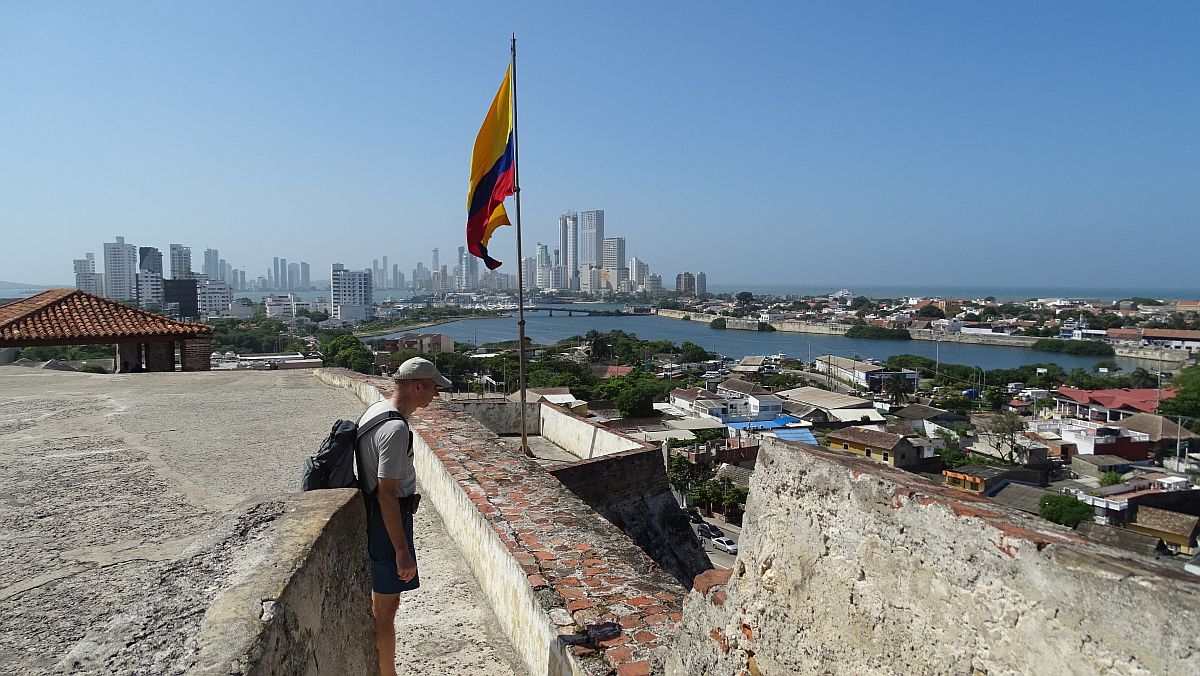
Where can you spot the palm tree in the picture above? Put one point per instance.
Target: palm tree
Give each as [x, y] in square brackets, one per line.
[1140, 378]
[896, 388]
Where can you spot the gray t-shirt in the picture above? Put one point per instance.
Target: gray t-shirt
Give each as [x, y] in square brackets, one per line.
[384, 451]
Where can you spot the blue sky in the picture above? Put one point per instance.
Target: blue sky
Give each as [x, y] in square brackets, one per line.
[1026, 143]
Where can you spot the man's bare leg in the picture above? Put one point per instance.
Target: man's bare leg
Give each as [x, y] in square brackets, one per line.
[383, 608]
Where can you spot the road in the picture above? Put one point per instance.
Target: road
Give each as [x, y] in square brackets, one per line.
[719, 558]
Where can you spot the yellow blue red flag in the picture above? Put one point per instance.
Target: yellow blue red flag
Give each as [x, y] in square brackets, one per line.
[493, 162]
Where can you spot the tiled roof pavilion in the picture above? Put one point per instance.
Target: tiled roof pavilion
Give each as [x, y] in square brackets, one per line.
[72, 317]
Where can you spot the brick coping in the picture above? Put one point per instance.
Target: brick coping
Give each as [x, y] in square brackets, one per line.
[582, 569]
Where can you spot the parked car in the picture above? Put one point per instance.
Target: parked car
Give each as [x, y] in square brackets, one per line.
[725, 545]
[707, 530]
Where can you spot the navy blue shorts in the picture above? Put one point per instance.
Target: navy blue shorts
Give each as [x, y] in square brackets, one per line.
[384, 578]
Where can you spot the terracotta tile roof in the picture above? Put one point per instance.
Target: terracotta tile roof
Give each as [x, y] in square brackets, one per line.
[1156, 426]
[68, 314]
[1177, 334]
[1145, 400]
[1166, 521]
[873, 438]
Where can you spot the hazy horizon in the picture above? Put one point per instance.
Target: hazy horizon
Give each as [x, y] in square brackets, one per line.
[998, 144]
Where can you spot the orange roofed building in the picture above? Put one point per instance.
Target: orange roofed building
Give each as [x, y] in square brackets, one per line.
[145, 341]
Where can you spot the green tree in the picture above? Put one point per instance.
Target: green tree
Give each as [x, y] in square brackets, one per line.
[897, 388]
[684, 474]
[718, 323]
[1064, 509]
[636, 401]
[1186, 401]
[931, 311]
[1003, 430]
[690, 353]
[745, 298]
[1110, 478]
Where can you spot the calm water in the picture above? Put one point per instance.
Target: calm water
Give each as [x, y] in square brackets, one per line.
[543, 329]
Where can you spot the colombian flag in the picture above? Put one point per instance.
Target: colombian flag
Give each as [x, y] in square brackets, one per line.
[492, 164]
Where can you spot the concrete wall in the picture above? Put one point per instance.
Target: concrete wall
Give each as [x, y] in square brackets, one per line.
[630, 489]
[581, 438]
[503, 417]
[305, 607]
[849, 567]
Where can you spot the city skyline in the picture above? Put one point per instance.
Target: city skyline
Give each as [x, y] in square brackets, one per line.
[1010, 145]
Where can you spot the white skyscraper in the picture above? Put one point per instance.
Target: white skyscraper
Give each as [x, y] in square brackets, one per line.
[613, 256]
[591, 237]
[568, 246]
[701, 283]
[120, 270]
[350, 293]
[543, 266]
[86, 277]
[529, 272]
[181, 261]
[638, 270]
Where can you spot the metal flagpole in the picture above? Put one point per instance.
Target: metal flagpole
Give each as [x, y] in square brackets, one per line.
[520, 258]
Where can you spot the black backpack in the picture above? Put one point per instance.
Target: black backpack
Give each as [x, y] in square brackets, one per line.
[333, 465]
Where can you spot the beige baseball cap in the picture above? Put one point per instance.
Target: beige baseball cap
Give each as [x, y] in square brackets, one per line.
[419, 368]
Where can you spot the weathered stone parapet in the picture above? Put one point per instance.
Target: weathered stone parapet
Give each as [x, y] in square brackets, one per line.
[849, 567]
[305, 606]
[548, 564]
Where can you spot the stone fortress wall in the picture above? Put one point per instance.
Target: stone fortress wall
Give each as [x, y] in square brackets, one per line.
[846, 566]
[547, 562]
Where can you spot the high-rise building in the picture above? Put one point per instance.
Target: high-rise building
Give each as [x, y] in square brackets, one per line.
[543, 266]
[212, 264]
[529, 272]
[435, 267]
[638, 270]
[653, 283]
[181, 262]
[568, 245]
[305, 279]
[226, 271]
[213, 297]
[384, 277]
[283, 275]
[241, 279]
[701, 284]
[234, 278]
[150, 277]
[150, 259]
[181, 298]
[685, 283]
[274, 276]
[591, 237]
[613, 255]
[350, 293]
[86, 277]
[293, 275]
[120, 270]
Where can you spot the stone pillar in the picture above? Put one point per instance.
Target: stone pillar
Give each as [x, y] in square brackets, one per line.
[129, 358]
[196, 354]
[160, 356]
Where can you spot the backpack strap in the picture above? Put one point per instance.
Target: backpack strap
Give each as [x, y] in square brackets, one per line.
[367, 427]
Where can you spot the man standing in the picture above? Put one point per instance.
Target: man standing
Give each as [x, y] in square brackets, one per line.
[385, 461]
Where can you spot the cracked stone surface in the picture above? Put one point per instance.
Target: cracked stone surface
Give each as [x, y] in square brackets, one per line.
[124, 495]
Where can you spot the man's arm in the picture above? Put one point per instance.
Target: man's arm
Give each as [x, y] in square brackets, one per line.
[394, 521]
